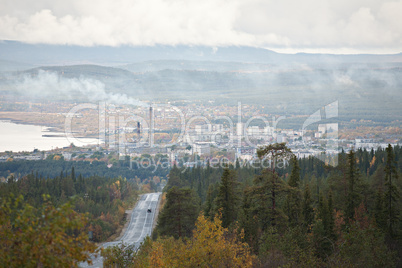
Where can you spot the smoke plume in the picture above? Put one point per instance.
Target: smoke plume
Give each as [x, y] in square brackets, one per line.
[51, 85]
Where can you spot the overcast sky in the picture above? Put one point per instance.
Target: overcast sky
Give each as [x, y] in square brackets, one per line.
[335, 26]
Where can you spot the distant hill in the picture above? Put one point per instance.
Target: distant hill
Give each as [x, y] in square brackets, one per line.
[89, 70]
[367, 86]
[363, 92]
[43, 54]
[10, 66]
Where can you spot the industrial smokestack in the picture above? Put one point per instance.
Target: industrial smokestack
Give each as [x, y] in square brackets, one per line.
[151, 127]
[138, 132]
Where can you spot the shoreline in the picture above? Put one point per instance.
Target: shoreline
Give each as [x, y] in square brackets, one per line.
[50, 128]
[21, 137]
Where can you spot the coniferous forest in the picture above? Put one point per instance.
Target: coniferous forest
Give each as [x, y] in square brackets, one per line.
[103, 199]
[293, 213]
[305, 214]
[47, 222]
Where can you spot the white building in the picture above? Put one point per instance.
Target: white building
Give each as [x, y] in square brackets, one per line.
[202, 129]
[268, 130]
[66, 155]
[253, 131]
[281, 138]
[217, 127]
[201, 148]
[322, 128]
[239, 129]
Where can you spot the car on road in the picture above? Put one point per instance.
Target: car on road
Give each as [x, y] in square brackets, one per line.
[149, 210]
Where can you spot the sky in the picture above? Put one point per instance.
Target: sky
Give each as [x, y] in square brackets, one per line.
[289, 26]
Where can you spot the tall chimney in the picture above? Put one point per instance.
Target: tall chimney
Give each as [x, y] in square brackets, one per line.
[138, 131]
[151, 127]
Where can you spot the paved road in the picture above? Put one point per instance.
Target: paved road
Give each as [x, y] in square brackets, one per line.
[140, 225]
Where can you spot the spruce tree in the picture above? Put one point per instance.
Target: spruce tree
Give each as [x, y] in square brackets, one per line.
[392, 193]
[331, 217]
[353, 197]
[308, 211]
[323, 234]
[73, 174]
[227, 199]
[293, 199]
[175, 178]
[179, 214]
[379, 211]
[208, 208]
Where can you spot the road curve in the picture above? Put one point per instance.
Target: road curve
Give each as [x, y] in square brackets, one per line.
[139, 228]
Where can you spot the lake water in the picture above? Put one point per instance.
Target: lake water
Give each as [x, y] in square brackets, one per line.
[20, 137]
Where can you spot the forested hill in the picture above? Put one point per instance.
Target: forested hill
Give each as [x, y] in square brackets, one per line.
[53, 168]
[308, 215]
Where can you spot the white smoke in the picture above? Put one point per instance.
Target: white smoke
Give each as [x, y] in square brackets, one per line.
[50, 84]
[344, 80]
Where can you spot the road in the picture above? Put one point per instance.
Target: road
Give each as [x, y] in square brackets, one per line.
[139, 228]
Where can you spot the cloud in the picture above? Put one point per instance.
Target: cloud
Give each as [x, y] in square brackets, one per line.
[50, 85]
[365, 25]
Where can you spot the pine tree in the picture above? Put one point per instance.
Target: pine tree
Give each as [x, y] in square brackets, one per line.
[324, 235]
[208, 208]
[273, 153]
[293, 199]
[174, 178]
[323, 213]
[379, 214]
[392, 193]
[331, 217]
[294, 179]
[237, 163]
[254, 216]
[308, 211]
[179, 214]
[227, 199]
[73, 174]
[353, 198]
[266, 189]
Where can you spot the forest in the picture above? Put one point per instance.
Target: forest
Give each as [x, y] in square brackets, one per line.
[301, 214]
[103, 199]
[305, 214]
[51, 168]
[57, 221]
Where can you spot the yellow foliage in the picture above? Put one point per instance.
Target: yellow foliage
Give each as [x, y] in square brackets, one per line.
[146, 188]
[121, 211]
[372, 162]
[42, 237]
[156, 255]
[163, 201]
[156, 179]
[211, 246]
[56, 157]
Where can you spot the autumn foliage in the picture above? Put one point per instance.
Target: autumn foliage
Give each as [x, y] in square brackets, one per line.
[42, 237]
[211, 246]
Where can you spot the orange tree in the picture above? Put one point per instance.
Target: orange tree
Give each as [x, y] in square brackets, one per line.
[42, 237]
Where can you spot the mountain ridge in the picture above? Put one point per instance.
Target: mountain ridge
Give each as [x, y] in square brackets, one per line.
[45, 54]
